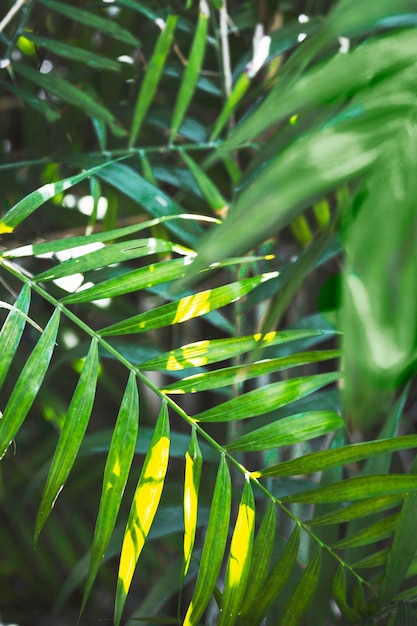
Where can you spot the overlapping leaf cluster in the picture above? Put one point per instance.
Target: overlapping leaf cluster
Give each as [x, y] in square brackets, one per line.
[325, 145]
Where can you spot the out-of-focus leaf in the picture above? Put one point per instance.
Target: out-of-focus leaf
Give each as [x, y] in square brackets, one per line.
[193, 467]
[28, 384]
[265, 399]
[73, 53]
[152, 76]
[275, 580]
[319, 461]
[192, 70]
[50, 113]
[12, 331]
[215, 350]
[144, 506]
[107, 26]
[75, 424]
[22, 209]
[239, 373]
[214, 546]
[67, 92]
[187, 308]
[208, 189]
[405, 615]
[116, 473]
[357, 489]
[238, 565]
[299, 600]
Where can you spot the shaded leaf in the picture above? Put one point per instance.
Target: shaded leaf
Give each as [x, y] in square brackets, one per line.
[75, 424]
[299, 600]
[380, 529]
[12, 331]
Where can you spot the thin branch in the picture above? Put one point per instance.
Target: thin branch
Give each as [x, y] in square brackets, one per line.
[10, 15]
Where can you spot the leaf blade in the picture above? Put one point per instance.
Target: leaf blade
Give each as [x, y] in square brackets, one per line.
[12, 331]
[193, 467]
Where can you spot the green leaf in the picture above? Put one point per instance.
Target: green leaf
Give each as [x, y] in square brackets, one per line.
[192, 70]
[319, 461]
[214, 350]
[193, 467]
[299, 600]
[276, 579]
[12, 331]
[134, 280]
[214, 546]
[187, 308]
[105, 25]
[377, 531]
[208, 189]
[28, 384]
[50, 113]
[265, 399]
[405, 615]
[67, 92]
[22, 209]
[152, 76]
[358, 510]
[357, 489]
[115, 477]
[340, 595]
[113, 253]
[75, 424]
[73, 53]
[238, 565]
[261, 556]
[144, 506]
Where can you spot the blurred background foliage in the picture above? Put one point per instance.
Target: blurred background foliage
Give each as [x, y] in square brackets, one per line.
[294, 124]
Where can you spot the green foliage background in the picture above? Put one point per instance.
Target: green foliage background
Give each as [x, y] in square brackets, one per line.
[198, 198]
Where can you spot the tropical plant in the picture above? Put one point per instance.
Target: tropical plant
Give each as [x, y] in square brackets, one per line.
[247, 172]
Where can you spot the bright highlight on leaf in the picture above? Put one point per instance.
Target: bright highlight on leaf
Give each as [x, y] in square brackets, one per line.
[144, 506]
[193, 467]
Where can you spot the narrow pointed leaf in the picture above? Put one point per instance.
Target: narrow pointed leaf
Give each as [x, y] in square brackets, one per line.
[28, 384]
[377, 531]
[237, 571]
[358, 488]
[214, 350]
[405, 615]
[115, 477]
[75, 424]
[276, 579]
[214, 546]
[135, 280]
[358, 510]
[192, 70]
[265, 399]
[187, 308]
[50, 112]
[319, 461]
[193, 467]
[209, 191]
[299, 600]
[340, 595]
[144, 506]
[34, 200]
[107, 26]
[261, 557]
[152, 76]
[12, 331]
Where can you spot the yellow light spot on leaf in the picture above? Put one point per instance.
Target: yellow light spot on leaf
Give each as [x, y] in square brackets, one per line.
[192, 306]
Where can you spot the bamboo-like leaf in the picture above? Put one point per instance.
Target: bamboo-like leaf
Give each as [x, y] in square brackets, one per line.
[209, 191]
[261, 556]
[67, 92]
[358, 488]
[319, 461]
[74, 53]
[239, 89]
[50, 113]
[12, 331]
[405, 615]
[28, 384]
[358, 510]
[265, 399]
[340, 595]
[115, 477]
[192, 70]
[299, 600]
[134, 280]
[187, 308]
[238, 565]
[152, 76]
[214, 350]
[114, 253]
[193, 467]
[276, 579]
[22, 209]
[75, 424]
[214, 546]
[107, 26]
[288, 431]
[144, 506]
[380, 529]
